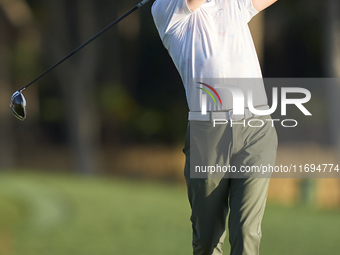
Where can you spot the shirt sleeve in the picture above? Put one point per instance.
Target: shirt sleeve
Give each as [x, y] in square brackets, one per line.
[247, 9]
[166, 13]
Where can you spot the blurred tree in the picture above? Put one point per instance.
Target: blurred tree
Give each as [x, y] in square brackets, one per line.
[73, 22]
[6, 135]
[332, 66]
[18, 43]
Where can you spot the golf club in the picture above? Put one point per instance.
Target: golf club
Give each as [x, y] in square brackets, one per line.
[18, 101]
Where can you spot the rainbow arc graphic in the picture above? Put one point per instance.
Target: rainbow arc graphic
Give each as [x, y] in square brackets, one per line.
[204, 103]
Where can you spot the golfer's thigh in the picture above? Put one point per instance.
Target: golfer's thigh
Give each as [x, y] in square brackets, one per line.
[247, 204]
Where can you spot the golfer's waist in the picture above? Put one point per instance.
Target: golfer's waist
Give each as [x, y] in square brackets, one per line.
[225, 115]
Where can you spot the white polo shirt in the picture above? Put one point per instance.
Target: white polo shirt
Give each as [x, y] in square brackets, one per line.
[211, 43]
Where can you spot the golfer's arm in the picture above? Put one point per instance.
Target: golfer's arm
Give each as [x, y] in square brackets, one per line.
[194, 4]
[260, 5]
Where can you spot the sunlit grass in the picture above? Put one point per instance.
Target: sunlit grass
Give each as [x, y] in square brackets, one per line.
[70, 215]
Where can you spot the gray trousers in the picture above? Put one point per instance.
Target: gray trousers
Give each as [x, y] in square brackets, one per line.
[213, 197]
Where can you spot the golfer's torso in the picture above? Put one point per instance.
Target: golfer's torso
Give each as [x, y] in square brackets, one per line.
[214, 41]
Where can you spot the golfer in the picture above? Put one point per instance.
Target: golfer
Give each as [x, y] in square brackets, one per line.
[209, 42]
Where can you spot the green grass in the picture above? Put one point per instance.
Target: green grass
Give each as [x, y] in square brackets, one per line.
[297, 231]
[71, 215]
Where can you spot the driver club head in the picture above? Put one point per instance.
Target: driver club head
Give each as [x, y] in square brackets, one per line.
[18, 105]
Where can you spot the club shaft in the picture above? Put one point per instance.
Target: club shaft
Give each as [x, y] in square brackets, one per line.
[86, 43]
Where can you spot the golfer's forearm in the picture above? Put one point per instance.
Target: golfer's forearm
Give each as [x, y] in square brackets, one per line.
[194, 4]
[260, 5]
